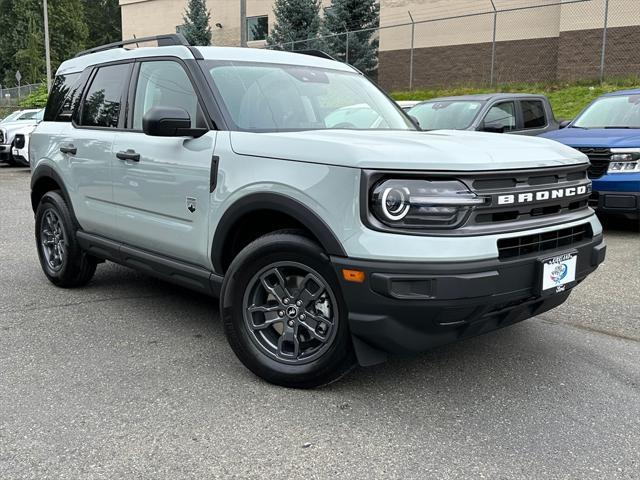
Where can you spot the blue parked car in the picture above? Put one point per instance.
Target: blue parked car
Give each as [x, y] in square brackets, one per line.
[608, 132]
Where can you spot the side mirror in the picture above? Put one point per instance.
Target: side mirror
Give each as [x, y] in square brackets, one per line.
[492, 127]
[169, 122]
[565, 123]
[415, 121]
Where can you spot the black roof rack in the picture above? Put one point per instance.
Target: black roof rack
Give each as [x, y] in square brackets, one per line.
[315, 53]
[163, 41]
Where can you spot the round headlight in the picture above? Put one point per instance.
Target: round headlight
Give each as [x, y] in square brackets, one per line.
[395, 202]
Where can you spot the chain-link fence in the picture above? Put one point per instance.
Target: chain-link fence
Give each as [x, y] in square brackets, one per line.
[12, 96]
[489, 42]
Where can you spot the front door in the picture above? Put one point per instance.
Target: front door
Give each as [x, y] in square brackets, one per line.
[161, 186]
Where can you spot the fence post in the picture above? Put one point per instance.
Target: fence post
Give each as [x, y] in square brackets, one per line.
[413, 40]
[604, 39]
[493, 43]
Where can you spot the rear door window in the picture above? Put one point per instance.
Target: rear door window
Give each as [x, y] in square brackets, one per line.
[103, 102]
[533, 114]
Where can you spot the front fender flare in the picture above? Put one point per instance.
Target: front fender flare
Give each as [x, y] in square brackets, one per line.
[280, 203]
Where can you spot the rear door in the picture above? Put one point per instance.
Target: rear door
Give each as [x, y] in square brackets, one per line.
[86, 145]
[162, 185]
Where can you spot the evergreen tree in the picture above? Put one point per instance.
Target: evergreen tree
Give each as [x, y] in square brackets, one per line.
[67, 33]
[104, 22]
[295, 20]
[31, 58]
[196, 26]
[349, 16]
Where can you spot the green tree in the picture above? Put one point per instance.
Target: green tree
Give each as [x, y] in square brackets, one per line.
[295, 20]
[104, 22]
[351, 16]
[7, 47]
[67, 32]
[196, 26]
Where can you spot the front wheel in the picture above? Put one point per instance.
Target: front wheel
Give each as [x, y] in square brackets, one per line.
[284, 315]
[61, 258]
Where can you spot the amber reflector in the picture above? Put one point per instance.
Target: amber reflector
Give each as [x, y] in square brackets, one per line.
[355, 276]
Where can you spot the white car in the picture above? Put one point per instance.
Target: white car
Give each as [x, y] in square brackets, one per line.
[20, 148]
[22, 116]
[8, 131]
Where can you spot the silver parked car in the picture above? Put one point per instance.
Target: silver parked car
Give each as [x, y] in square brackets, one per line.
[261, 177]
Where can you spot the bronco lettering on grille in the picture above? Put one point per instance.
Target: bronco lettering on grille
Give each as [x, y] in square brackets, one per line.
[543, 195]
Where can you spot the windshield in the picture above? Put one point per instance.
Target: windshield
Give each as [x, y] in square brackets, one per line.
[269, 97]
[446, 115]
[621, 111]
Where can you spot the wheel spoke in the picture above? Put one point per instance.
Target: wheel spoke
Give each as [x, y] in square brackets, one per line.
[307, 293]
[270, 316]
[311, 323]
[279, 289]
[288, 343]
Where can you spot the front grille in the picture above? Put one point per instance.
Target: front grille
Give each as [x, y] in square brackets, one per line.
[494, 185]
[599, 158]
[509, 248]
[1, 137]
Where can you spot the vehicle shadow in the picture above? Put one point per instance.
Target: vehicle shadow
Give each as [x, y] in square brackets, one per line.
[517, 357]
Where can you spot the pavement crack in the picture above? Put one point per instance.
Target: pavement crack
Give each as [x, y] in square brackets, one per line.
[84, 302]
[593, 330]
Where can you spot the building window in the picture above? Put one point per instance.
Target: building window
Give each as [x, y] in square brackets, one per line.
[257, 28]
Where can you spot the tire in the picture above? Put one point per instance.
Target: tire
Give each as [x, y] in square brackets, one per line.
[61, 258]
[303, 343]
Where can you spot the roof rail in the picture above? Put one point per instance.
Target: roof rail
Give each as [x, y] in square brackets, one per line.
[163, 41]
[315, 53]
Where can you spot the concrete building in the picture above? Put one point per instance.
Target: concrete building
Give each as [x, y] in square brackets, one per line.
[453, 39]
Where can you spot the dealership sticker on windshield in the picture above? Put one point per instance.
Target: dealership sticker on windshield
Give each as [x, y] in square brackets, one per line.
[558, 272]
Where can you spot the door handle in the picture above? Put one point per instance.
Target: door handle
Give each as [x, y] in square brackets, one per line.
[129, 155]
[71, 150]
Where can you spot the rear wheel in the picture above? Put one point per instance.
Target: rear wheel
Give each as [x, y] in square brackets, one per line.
[284, 315]
[62, 260]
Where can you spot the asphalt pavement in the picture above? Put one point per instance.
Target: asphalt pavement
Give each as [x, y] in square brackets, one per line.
[131, 377]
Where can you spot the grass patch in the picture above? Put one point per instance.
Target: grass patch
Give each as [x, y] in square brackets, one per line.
[567, 100]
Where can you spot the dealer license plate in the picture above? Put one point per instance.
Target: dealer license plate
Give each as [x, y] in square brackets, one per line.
[558, 272]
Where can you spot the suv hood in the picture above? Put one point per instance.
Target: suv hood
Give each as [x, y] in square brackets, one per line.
[408, 150]
[597, 137]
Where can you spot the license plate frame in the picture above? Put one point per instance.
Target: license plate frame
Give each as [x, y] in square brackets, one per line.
[557, 273]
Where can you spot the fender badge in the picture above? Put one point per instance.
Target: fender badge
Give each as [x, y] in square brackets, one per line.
[191, 204]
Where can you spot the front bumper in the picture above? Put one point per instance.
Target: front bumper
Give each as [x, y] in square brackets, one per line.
[625, 204]
[617, 194]
[5, 153]
[411, 307]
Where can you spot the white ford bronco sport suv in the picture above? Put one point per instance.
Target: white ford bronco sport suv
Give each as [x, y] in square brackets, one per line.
[332, 235]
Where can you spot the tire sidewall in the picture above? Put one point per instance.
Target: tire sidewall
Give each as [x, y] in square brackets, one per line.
[54, 201]
[254, 258]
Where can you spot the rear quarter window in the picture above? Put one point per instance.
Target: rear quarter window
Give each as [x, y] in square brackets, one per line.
[63, 97]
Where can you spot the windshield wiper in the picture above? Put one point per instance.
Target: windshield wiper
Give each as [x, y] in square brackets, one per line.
[581, 128]
[621, 128]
